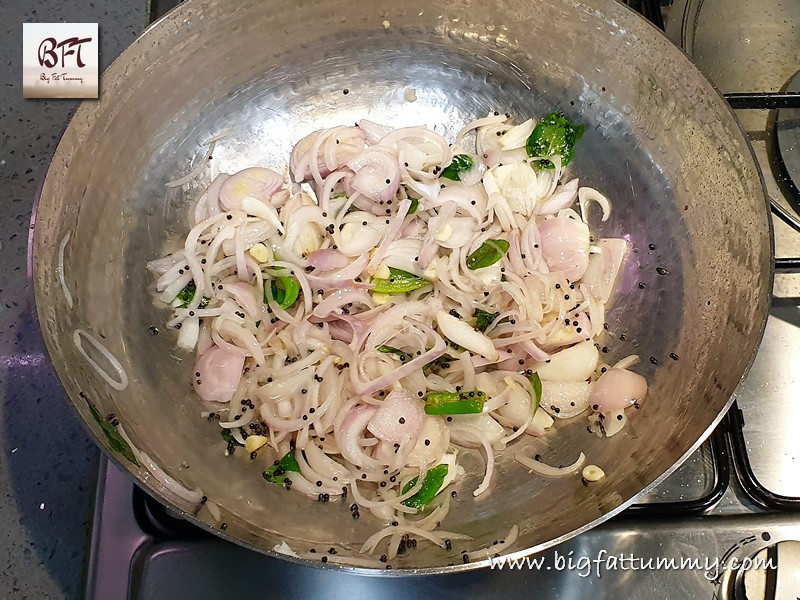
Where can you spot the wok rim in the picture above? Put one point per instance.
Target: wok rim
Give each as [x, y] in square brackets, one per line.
[128, 470]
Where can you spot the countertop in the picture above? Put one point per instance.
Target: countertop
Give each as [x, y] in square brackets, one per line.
[49, 465]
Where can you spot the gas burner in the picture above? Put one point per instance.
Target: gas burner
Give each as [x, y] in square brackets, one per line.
[761, 568]
[787, 127]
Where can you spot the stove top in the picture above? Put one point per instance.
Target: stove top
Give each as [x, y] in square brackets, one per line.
[725, 525]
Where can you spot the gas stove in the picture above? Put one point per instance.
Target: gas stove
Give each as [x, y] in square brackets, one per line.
[725, 525]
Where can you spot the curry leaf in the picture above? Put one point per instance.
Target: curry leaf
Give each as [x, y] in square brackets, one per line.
[489, 253]
[554, 135]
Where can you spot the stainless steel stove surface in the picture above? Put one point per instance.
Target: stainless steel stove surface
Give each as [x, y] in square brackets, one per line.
[736, 498]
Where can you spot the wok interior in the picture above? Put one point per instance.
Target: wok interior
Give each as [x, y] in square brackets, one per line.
[660, 143]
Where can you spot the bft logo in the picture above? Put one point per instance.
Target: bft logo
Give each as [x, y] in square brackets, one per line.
[48, 57]
[60, 60]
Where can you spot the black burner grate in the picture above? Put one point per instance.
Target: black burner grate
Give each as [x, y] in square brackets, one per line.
[755, 490]
[783, 147]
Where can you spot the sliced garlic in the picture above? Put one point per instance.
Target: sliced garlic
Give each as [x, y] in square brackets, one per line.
[589, 473]
[355, 239]
[380, 299]
[490, 275]
[517, 183]
[517, 136]
[284, 409]
[444, 233]
[542, 419]
[430, 272]
[382, 272]
[576, 363]
[309, 239]
[266, 211]
[254, 442]
[262, 253]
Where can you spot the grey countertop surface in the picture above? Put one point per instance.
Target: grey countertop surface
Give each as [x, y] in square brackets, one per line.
[48, 464]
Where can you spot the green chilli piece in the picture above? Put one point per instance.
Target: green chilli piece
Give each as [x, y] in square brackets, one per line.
[399, 282]
[404, 356]
[414, 206]
[459, 164]
[285, 290]
[431, 485]
[483, 319]
[489, 253]
[554, 135]
[454, 403]
[186, 295]
[537, 390]
[114, 439]
[228, 437]
[275, 473]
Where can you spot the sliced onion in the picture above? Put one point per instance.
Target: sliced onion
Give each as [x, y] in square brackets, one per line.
[475, 434]
[220, 373]
[464, 335]
[348, 433]
[565, 246]
[614, 422]
[377, 174]
[462, 427]
[517, 136]
[343, 277]
[497, 548]
[340, 298]
[328, 260]
[355, 238]
[245, 296]
[625, 363]
[562, 198]
[418, 362]
[437, 435]
[398, 419]
[373, 131]
[572, 364]
[325, 465]
[121, 381]
[255, 182]
[541, 423]
[192, 496]
[617, 389]
[604, 267]
[437, 538]
[194, 173]
[517, 183]
[478, 123]
[518, 408]
[61, 279]
[547, 470]
[586, 195]
[264, 210]
[304, 486]
[564, 400]
[189, 333]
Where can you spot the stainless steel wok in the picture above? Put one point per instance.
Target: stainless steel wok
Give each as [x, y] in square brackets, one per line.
[661, 142]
